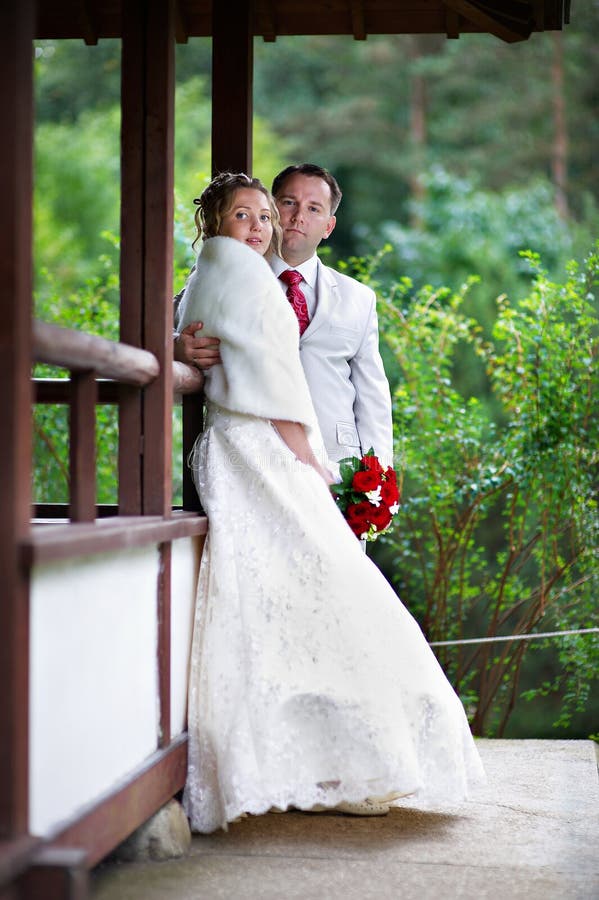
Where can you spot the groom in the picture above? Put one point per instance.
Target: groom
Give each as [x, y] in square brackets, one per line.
[338, 323]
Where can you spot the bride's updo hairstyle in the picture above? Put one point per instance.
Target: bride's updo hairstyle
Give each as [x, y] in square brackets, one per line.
[218, 199]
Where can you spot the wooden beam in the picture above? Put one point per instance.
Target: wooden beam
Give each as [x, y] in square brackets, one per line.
[357, 20]
[131, 803]
[232, 86]
[48, 543]
[512, 25]
[265, 21]
[17, 28]
[186, 380]
[56, 873]
[539, 8]
[89, 24]
[289, 17]
[59, 391]
[15, 857]
[452, 24]
[181, 23]
[59, 513]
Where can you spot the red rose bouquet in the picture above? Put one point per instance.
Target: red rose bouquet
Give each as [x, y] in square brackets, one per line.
[368, 495]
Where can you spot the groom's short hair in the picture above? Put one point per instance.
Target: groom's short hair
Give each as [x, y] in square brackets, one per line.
[313, 171]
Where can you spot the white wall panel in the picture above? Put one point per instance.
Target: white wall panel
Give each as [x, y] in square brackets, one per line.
[185, 566]
[94, 685]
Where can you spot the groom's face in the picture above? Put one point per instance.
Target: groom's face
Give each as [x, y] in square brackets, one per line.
[304, 204]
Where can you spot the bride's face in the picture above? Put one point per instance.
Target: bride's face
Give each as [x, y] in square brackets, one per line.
[249, 220]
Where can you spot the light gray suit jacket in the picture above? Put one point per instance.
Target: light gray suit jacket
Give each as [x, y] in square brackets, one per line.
[344, 370]
[340, 356]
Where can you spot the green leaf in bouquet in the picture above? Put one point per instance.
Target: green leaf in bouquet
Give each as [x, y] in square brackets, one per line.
[347, 473]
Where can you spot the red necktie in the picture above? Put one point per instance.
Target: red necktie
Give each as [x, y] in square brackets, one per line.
[296, 297]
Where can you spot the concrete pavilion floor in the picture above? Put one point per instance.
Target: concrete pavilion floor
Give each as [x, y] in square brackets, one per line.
[531, 832]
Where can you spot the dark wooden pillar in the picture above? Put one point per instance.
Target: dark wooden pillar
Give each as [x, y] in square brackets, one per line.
[148, 87]
[132, 247]
[16, 113]
[158, 264]
[232, 81]
[145, 421]
[232, 108]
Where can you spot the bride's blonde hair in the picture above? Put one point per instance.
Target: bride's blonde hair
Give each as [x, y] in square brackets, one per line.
[217, 200]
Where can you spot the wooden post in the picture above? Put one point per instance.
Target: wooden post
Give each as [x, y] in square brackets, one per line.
[193, 422]
[16, 112]
[147, 277]
[148, 87]
[132, 247]
[232, 108]
[164, 643]
[232, 105]
[82, 446]
[159, 127]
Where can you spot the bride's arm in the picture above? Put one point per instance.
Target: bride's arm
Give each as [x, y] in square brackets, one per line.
[294, 435]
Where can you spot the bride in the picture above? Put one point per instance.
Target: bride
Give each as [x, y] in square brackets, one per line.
[311, 686]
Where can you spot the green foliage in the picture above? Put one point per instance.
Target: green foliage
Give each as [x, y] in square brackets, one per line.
[73, 77]
[499, 526]
[462, 228]
[93, 308]
[354, 105]
[76, 194]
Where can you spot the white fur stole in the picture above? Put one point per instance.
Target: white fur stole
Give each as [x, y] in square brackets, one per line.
[234, 292]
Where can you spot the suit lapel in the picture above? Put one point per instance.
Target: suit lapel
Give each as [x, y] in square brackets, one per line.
[328, 297]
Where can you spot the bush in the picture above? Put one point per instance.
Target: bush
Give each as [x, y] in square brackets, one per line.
[498, 531]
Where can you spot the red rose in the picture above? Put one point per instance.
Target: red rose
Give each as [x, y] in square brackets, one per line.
[380, 517]
[366, 481]
[391, 474]
[389, 493]
[372, 464]
[357, 515]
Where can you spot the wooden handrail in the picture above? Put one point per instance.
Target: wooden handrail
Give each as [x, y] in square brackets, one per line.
[77, 351]
[82, 352]
[187, 379]
[104, 371]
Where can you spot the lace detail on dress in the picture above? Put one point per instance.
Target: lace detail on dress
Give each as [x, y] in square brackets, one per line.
[310, 683]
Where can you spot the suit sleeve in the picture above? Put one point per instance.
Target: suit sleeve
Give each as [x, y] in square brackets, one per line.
[372, 406]
[177, 299]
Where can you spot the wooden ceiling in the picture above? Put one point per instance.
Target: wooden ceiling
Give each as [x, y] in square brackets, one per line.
[509, 20]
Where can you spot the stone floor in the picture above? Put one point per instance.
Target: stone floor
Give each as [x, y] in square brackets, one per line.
[531, 832]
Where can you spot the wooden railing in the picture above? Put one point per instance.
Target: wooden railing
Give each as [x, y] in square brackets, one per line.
[101, 371]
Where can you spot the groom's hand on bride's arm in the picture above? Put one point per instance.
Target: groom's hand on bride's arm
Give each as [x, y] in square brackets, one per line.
[202, 352]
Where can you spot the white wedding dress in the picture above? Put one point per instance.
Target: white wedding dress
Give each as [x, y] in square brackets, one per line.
[310, 683]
